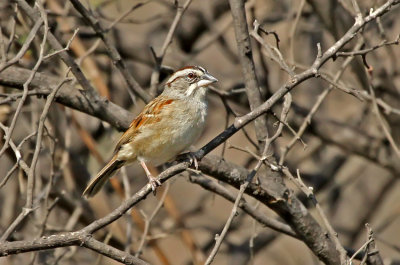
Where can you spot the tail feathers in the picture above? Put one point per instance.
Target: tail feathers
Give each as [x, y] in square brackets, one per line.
[98, 182]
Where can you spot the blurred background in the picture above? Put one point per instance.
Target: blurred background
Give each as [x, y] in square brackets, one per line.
[344, 153]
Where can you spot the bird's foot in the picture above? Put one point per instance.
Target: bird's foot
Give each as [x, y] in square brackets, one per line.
[192, 158]
[154, 184]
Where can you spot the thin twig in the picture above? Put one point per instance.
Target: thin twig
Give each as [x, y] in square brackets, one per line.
[293, 30]
[383, 123]
[32, 34]
[368, 50]
[148, 220]
[315, 107]
[219, 238]
[112, 51]
[308, 191]
[155, 76]
[66, 46]
[245, 206]
[34, 15]
[125, 14]
[10, 130]
[270, 51]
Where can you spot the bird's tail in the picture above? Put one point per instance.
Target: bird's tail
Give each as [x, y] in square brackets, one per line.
[98, 182]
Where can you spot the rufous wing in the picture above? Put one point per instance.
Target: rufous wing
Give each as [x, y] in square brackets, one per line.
[149, 115]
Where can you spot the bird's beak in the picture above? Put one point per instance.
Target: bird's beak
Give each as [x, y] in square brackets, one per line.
[206, 80]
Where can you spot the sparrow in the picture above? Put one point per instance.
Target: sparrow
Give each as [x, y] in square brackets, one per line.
[167, 125]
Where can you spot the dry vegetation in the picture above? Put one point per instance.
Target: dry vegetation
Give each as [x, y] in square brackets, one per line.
[306, 108]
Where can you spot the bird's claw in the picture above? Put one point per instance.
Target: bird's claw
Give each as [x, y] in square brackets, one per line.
[154, 184]
[192, 159]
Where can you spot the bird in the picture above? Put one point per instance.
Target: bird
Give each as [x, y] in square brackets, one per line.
[166, 126]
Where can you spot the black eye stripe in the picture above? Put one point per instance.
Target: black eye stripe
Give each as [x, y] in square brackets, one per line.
[201, 69]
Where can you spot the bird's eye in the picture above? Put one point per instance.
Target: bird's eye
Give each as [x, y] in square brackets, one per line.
[190, 75]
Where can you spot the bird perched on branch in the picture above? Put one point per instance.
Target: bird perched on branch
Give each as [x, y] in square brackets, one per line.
[168, 125]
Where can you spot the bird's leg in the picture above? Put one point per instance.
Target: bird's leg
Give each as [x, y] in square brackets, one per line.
[152, 180]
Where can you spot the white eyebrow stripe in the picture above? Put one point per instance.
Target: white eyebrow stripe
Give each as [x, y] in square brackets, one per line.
[183, 72]
[179, 74]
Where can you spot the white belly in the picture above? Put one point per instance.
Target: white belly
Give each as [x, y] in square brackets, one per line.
[164, 141]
